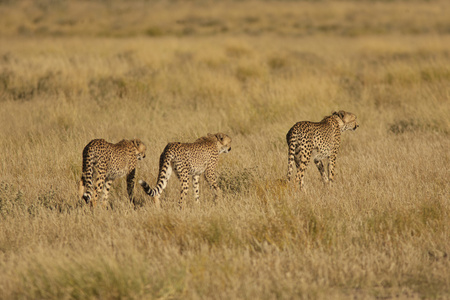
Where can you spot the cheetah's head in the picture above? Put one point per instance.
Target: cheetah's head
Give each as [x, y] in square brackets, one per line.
[347, 120]
[140, 148]
[223, 142]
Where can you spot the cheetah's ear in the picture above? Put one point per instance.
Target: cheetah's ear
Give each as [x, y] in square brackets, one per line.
[219, 136]
[340, 114]
[136, 143]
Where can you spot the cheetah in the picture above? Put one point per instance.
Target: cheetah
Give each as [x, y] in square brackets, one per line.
[103, 162]
[190, 159]
[320, 140]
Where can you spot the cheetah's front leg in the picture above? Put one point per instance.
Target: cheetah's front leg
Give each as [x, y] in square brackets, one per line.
[321, 169]
[210, 177]
[331, 166]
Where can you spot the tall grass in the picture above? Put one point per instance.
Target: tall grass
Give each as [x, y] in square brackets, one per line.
[381, 231]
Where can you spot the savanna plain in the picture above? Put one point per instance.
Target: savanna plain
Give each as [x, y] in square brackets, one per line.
[163, 71]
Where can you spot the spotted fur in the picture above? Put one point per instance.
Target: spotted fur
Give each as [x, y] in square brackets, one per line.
[190, 159]
[320, 140]
[103, 162]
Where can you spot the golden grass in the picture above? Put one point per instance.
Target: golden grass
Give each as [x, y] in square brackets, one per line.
[381, 231]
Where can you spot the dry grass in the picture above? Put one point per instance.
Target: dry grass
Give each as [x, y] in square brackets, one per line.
[382, 230]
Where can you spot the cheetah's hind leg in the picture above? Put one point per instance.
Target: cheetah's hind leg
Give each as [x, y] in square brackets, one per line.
[301, 162]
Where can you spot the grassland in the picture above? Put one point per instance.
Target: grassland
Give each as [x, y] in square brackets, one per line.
[173, 71]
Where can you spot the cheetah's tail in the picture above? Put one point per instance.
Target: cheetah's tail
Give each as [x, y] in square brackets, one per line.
[86, 182]
[165, 170]
[291, 158]
[161, 184]
[290, 166]
[146, 188]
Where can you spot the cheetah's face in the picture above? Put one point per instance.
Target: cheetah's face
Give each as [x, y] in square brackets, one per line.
[223, 143]
[348, 119]
[140, 149]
